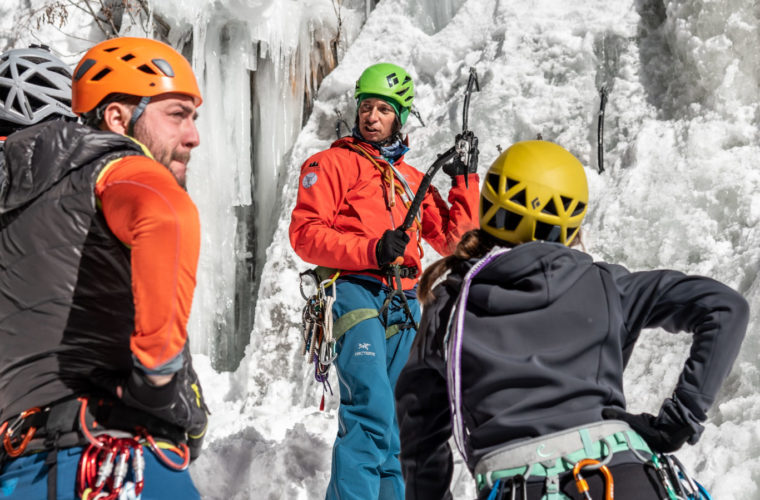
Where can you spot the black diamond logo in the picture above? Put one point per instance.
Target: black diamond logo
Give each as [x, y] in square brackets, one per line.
[535, 203]
[392, 79]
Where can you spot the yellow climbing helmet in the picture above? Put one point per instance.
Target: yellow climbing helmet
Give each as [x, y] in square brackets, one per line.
[535, 190]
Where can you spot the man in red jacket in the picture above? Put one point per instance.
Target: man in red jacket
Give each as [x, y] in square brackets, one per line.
[99, 245]
[351, 200]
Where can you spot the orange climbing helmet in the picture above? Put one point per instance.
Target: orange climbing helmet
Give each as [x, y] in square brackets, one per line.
[136, 66]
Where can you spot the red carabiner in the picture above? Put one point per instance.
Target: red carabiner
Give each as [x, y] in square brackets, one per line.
[12, 451]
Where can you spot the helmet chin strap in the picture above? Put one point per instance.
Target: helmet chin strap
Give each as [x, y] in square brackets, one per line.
[136, 114]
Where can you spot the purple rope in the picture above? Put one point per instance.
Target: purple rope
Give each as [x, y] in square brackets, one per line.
[453, 345]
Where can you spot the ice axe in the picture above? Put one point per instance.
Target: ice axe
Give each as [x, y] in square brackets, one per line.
[466, 148]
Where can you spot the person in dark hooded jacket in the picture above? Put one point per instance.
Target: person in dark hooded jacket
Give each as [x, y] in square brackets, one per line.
[99, 245]
[522, 347]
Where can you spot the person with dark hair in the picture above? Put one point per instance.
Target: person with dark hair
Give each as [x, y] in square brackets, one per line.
[352, 201]
[99, 245]
[522, 347]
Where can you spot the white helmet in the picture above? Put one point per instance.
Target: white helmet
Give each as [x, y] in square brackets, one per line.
[34, 86]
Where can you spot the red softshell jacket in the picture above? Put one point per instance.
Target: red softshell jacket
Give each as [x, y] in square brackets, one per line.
[342, 211]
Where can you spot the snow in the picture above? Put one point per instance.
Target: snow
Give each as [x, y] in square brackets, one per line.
[679, 190]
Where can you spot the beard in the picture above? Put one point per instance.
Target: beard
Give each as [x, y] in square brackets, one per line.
[163, 154]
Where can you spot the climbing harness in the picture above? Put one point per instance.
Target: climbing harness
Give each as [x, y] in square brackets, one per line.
[554, 454]
[105, 461]
[317, 326]
[394, 280]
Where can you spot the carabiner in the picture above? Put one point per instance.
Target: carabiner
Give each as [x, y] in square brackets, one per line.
[12, 451]
[582, 484]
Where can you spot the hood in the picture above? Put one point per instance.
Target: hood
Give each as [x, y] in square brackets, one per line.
[528, 277]
[39, 156]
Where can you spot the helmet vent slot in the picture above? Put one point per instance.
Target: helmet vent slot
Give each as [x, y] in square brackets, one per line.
[146, 69]
[579, 208]
[89, 63]
[15, 105]
[519, 198]
[566, 202]
[60, 71]
[493, 181]
[110, 49]
[101, 74]
[164, 66]
[506, 220]
[40, 81]
[571, 231]
[511, 183]
[486, 205]
[4, 90]
[547, 232]
[127, 57]
[34, 102]
[550, 208]
[34, 60]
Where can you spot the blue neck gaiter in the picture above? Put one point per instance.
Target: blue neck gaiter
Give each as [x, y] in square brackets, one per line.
[391, 149]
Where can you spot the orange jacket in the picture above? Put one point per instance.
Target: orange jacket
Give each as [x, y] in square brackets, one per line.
[343, 209]
[149, 212]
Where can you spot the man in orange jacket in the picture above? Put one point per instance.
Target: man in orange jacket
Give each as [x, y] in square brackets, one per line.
[352, 199]
[99, 245]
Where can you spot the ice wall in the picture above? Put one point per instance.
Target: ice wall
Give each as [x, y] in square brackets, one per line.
[680, 191]
[258, 64]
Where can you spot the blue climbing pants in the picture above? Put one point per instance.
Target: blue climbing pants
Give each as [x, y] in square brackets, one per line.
[365, 463]
[25, 478]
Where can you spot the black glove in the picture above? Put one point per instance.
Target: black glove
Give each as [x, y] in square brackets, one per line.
[180, 402]
[198, 413]
[391, 245]
[662, 435]
[469, 142]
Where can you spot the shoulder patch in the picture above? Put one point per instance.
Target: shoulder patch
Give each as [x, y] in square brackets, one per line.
[309, 180]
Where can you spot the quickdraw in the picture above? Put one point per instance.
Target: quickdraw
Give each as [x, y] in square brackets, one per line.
[678, 484]
[317, 323]
[582, 484]
[512, 484]
[104, 464]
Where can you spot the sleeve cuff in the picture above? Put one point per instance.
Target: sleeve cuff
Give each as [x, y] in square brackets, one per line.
[171, 366]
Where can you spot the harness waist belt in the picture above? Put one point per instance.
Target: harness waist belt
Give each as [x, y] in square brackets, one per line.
[546, 455]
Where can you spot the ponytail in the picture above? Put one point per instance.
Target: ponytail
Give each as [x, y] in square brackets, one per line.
[474, 244]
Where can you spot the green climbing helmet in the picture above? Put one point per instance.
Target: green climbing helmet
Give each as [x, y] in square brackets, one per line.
[390, 83]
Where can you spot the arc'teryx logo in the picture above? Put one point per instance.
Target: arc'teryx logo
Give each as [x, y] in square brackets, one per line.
[363, 349]
[392, 79]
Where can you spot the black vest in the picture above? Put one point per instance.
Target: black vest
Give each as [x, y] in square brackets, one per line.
[66, 306]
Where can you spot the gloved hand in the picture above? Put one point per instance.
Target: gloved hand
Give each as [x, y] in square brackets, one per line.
[198, 413]
[661, 435]
[180, 402]
[391, 245]
[469, 142]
